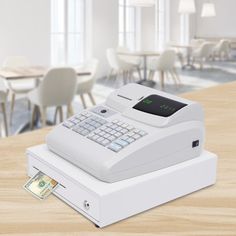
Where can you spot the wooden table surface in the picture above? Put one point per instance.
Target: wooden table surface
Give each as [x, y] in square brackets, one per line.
[31, 72]
[140, 53]
[211, 211]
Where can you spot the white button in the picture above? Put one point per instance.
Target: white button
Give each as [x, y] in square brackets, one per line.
[136, 136]
[108, 130]
[102, 133]
[114, 126]
[125, 125]
[131, 134]
[115, 147]
[100, 139]
[121, 142]
[123, 131]
[91, 135]
[115, 121]
[130, 127]
[130, 140]
[112, 138]
[142, 133]
[85, 132]
[95, 137]
[68, 124]
[118, 134]
[113, 132]
[107, 135]
[118, 129]
[136, 131]
[125, 138]
[105, 142]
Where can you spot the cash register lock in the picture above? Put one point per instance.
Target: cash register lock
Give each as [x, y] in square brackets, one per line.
[86, 205]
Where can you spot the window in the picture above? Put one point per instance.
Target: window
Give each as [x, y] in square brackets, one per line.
[184, 28]
[162, 23]
[127, 25]
[67, 32]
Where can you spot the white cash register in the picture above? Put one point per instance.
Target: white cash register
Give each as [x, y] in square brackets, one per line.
[139, 149]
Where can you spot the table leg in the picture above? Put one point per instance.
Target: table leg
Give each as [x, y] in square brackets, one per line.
[145, 81]
[188, 65]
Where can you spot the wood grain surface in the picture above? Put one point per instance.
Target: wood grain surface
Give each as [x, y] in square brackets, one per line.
[211, 211]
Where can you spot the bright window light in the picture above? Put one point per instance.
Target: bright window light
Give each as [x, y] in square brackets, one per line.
[127, 25]
[67, 32]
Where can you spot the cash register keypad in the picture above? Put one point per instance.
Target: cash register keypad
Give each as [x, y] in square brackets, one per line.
[114, 135]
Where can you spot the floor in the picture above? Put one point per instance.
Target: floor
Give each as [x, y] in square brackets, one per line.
[213, 74]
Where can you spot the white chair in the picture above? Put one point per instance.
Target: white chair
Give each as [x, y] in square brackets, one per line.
[164, 64]
[221, 50]
[135, 60]
[119, 66]
[202, 54]
[57, 89]
[3, 99]
[85, 83]
[18, 87]
[196, 42]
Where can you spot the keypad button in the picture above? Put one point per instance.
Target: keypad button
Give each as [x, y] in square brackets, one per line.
[105, 142]
[115, 147]
[118, 129]
[125, 138]
[112, 138]
[136, 136]
[112, 132]
[68, 124]
[121, 142]
[95, 137]
[108, 130]
[142, 133]
[131, 134]
[117, 134]
[124, 131]
[91, 135]
[100, 139]
[114, 126]
[107, 135]
[102, 133]
[130, 140]
[84, 132]
[129, 127]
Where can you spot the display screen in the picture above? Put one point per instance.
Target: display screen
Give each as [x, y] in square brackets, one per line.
[160, 106]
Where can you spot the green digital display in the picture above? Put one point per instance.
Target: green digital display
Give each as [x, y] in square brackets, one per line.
[158, 105]
[147, 101]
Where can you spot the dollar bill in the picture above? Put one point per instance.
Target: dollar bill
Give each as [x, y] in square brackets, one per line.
[41, 185]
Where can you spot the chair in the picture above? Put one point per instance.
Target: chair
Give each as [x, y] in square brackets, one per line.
[56, 90]
[3, 99]
[202, 54]
[164, 64]
[119, 66]
[196, 42]
[85, 83]
[135, 60]
[18, 87]
[221, 50]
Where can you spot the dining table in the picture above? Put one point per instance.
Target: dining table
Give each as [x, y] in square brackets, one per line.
[29, 72]
[32, 72]
[189, 49]
[145, 55]
[208, 212]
